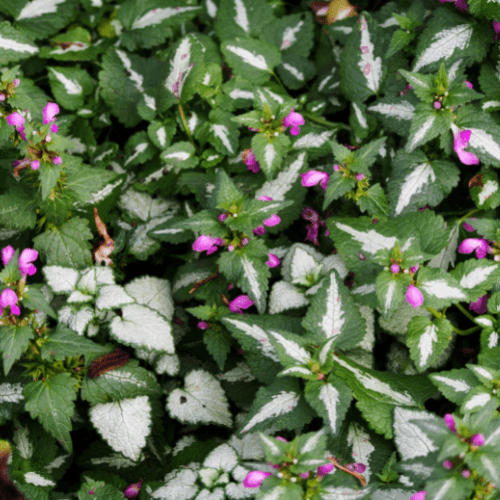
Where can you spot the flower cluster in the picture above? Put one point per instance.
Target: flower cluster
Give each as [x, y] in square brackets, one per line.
[37, 152]
[8, 297]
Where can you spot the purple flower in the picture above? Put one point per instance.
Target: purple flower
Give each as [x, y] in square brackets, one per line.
[304, 475]
[414, 269]
[265, 198]
[7, 254]
[496, 27]
[450, 422]
[313, 229]
[279, 438]
[359, 177]
[468, 227]
[394, 268]
[259, 230]
[479, 306]
[356, 467]
[50, 110]
[57, 160]
[420, 495]
[293, 120]
[437, 105]
[465, 473]
[477, 440]
[35, 165]
[255, 478]
[469, 84]
[336, 168]
[314, 177]
[448, 464]
[2, 97]
[273, 260]
[414, 296]
[16, 82]
[222, 217]
[240, 302]
[460, 143]
[202, 325]
[479, 245]
[133, 490]
[9, 298]
[207, 243]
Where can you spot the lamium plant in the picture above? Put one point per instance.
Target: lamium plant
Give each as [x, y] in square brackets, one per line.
[250, 249]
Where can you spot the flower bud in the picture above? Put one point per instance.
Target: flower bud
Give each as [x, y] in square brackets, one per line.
[437, 105]
[394, 268]
[477, 440]
[450, 422]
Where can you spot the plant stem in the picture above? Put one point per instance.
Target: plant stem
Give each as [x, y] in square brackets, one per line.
[465, 332]
[465, 312]
[466, 216]
[434, 312]
[181, 111]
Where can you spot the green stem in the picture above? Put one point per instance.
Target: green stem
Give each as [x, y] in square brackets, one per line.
[406, 365]
[181, 111]
[323, 122]
[434, 312]
[466, 332]
[466, 216]
[465, 312]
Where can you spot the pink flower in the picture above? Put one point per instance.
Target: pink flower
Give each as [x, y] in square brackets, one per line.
[207, 243]
[448, 464]
[450, 422]
[314, 177]
[293, 120]
[313, 229]
[202, 325]
[27, 256]
[414, 296]
[255, 478]
[133, 490]
[359, 177]
[336, 168]
[7, 254]
[16, 82]
[250, 161]
[35, 165]
[356, 467]
[259, 230]
[240, 302]
[461, 5]
[50, 110]
[465, 473]
[304, 475]
[414, 269]
[2, 97]
[479, 306]
[16, 120]
[460, 143]
[469, 84]
[222, 217]
[496, 27]
[9, 298]
[468, 227]
[395, 268]
[477, 440]
[479, 245]
[437, 105]
[273, 260]
[274, 220]
[57, 160]
[420, 495]
[279, 438]
[324, 469]
[265, 198]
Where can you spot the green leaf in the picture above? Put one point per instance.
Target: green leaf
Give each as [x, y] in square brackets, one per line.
[448, 37]
[331, 400]
[403, 21]
[484, 8]
[14, 341]
[180, 155]
[34, 299]
[415, 181]
[374, 201]
[218, 345]
[422, 85]
[251, 59]
[476, 277]
[486, 195]
[295, 70]
[52, 403]
[390, 290]
[361, 65]
[400, 40]
[425, 126]
[162, 133]
[17, 209]
[66, 245]
[395, 113]
[454, 384]
[269, 152]
[427, 340]
[338, 186]
[70, 86]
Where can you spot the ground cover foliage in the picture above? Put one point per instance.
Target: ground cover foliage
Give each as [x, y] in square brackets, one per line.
[249, 250]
